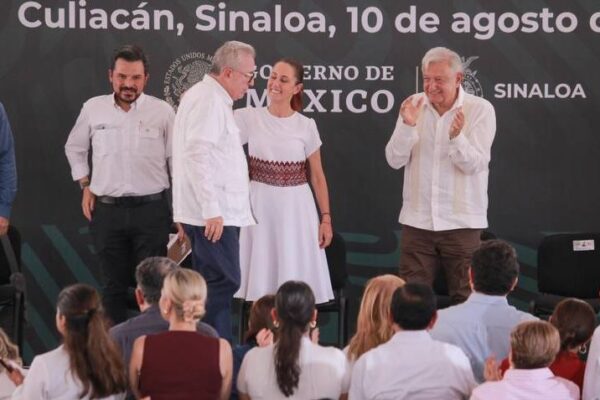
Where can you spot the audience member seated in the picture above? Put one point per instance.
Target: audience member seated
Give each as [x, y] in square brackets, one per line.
[575, 320]
[181, 363]
[9, 353]
[260, 333]
[411, 365]
[533, 347]
[591, 380]
[293, 367]
[149, 276]
[87, 365]
[482, 324]
[373, 324]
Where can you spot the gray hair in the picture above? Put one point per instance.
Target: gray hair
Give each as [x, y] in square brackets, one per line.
[228, 55]
[442, 54]
[150, 274]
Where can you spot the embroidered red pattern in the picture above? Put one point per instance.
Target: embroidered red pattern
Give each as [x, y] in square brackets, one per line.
[277, 173]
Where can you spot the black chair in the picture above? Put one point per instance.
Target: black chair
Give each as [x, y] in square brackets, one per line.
[568, 266]
[338, 273]
[12, 287]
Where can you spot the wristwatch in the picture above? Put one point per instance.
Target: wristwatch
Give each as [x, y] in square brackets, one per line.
[84, 184]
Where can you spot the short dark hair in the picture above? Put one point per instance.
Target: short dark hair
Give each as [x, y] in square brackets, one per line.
[150, 274]
[130, 52]
[575, 320]
[494, 267]
[413, 306]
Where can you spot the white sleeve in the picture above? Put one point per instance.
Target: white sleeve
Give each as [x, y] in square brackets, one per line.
[203, 127]
[398, 149]
[591, 380]
[78, 146]
[471, 150]
[35, 385]
[312, 141]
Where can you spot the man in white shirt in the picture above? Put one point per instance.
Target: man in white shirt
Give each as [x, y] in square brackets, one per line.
[481, 325]
[443, 138]
[411, 365]
[210, 176]
[125, 198]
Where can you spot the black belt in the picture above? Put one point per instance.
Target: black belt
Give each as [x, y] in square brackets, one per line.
[130, 201]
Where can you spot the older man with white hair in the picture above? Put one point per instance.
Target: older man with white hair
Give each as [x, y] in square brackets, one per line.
[210, 176]
[443, 138]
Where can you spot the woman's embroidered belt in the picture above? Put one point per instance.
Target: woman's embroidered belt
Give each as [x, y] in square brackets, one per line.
[278, 173]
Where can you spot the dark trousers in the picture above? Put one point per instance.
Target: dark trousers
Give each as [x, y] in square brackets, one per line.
[423, 253]
[219, 264]
[123, 236]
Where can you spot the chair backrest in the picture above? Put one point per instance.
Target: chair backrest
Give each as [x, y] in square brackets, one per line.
[336, 259]
[6, 267]
[569, 265]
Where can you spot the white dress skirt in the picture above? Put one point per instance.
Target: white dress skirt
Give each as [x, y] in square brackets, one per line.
[284, 244]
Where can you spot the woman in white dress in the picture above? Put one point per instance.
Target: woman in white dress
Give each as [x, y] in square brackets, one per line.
[289, 240]
[87, 365]
[294, 367]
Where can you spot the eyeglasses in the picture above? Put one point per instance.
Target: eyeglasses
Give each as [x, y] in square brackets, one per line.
[249, 75]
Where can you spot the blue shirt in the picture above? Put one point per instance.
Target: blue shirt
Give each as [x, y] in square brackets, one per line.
[8, 169]
[480, 327]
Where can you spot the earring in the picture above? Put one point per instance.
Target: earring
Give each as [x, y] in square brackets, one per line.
[583, 349]
[165, 311]
[276, 324]
[312, 324]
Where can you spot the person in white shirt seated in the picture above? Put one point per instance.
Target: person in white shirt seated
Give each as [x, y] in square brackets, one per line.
[482, 324]
[293, 367]
[87, 365]
[533, 347]
[411, 365]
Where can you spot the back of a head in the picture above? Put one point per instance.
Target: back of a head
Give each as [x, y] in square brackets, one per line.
[228, 55]
[295, 305]
[373, 326]
[150, 274]
[186, 289]
[260, 316]
[494, 267]
[442, 54]
[413, 306]
[534, 344]
[93, 356]
[575, 320]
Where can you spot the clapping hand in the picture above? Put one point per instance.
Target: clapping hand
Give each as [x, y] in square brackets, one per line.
[410, 111]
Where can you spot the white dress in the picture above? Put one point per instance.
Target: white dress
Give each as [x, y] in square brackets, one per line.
[284, 245]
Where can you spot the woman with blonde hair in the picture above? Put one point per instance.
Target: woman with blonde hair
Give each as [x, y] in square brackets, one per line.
[181, 363]
[9, 353]
[533, 347]
[373, 325]
[87, 365]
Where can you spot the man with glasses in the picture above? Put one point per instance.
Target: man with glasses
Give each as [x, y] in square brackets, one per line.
[210, 176]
